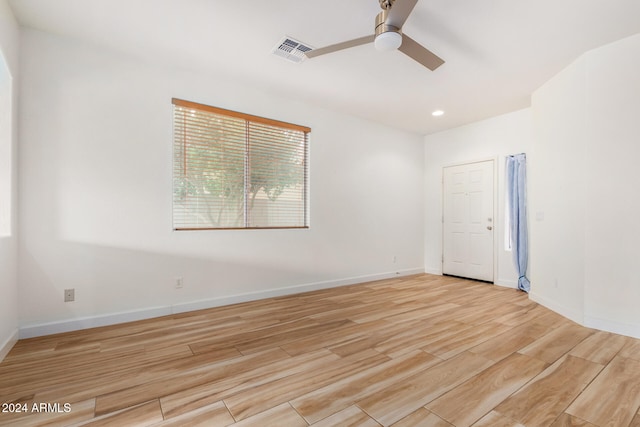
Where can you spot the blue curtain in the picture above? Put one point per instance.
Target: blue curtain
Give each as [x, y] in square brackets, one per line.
[516, 189]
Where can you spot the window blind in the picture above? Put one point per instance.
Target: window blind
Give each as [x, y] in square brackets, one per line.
[233, 170]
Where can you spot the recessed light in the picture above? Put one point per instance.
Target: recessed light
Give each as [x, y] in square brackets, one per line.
[437, 113]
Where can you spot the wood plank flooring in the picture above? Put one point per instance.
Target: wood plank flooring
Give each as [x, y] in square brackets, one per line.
[415, 351]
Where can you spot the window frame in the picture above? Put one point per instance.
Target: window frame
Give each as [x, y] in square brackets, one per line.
[248, 118]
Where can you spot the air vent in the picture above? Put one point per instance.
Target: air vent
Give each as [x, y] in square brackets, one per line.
[291, 49]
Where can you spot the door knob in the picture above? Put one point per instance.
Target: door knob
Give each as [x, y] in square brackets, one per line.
[489, 227]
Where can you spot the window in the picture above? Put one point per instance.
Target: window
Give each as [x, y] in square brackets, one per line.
[233, 170]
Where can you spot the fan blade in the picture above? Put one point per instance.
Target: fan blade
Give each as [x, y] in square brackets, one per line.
[399, 12]
[417, 52]
[340, 46]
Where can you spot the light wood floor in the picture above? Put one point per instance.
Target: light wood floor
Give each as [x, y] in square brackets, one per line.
[418, 351]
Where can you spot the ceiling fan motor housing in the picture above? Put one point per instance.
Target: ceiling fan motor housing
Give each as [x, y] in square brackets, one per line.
[388, 37]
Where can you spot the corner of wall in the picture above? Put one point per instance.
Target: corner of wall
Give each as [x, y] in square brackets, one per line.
[6, 347]
[9, 46]
[569, 313]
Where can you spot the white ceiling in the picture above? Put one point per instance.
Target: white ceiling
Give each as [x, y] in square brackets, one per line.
[497, 52]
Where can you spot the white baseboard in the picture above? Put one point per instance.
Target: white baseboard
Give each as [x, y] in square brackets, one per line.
[628, 329]
[278, 292]
[434, 271]
[507, 283]
[8, 344]
[36, 330]
[504, 283]
[569, 313]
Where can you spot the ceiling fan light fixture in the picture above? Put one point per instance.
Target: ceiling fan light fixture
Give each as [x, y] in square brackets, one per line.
[388, 35]
[389, 40]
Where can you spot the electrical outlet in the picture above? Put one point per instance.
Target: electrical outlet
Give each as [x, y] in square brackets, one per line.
[69, 295]
[179, 283]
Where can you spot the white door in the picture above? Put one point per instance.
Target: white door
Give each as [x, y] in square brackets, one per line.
[468, 221]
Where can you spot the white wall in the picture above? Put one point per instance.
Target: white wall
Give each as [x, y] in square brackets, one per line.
[493, 138]
[585, 178]
[9, 42]
[558, 193]
[95, 182]
[612, 291]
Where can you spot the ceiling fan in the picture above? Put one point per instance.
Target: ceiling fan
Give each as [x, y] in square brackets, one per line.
[388, 35]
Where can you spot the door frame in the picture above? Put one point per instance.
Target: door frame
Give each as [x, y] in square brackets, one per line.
[496, 212]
